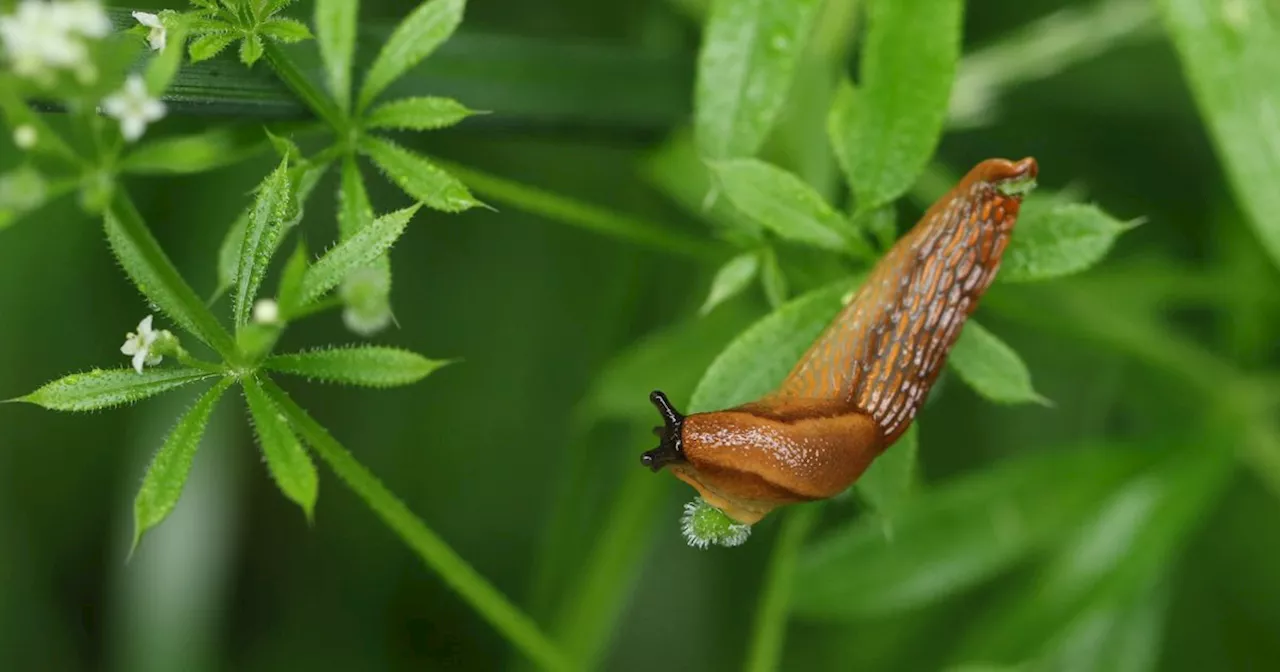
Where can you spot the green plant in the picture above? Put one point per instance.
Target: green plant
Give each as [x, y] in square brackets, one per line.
[357, 264]
[801, 178]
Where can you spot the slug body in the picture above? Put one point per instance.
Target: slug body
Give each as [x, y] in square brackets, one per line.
[859, 386]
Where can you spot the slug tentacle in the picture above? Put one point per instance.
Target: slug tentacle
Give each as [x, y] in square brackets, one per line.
[670, 449]
[859, 386]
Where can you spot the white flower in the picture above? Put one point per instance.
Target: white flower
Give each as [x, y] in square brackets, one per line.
[24, 136]
[134, 107]
[84, 17]
[138, 345]
[266, 311]
[156, 36]
[43, 36]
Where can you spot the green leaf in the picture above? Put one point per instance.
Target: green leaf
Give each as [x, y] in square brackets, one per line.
[250, 49]
[286, 148]
[773, 279]
[287, 460]
[954, 536]
[209, 45]
[98, 389]
[285, 30]
[1053, 239]
[784, 204]
[750, 49]
[677, 171]
[290, 290]
[195, 153]
[731, 279]
[1111, 559]
[886, 130]
[758, 360]
[155, 276]
[354, 210]
[893, 477]
[413, 40]
[354, 253]
[167, 474]
[164, 66]
[229, 254]
[991, 367]
[424, 113]
[335, 22]
[369, 366]
[1228, 52]
[367, 293]
[417, 176]
[261, 236]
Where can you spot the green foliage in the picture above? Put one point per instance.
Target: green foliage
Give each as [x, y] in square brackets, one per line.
[419, 34]
[98, 389]
[1228, 51]
[782, 203]
[354, 253]
[1116, 558]
[167, 473]
[418, 114]
[286, 459]
[419, 177]
[732, 278]
[992, 368]
[335, 22]
[151, 271]
[748, 60]
[1052, 240]
[956, 535]
[207, 150]
[219, 25]
[705, 525]
[892, 479]
[886, 130]
[261, 235]
[1053, 559]
[368, 366]
[758, 359]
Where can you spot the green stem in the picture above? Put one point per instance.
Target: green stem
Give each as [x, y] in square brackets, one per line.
[317, 100]
[514, 624]
[591, 610]
[584, 215]
[209, 329]
[775, 597]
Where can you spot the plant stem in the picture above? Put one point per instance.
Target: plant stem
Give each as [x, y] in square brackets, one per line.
[209, 329]
[317, 100]
[514, 624]
[589, 617]
[775, 596]
[584, 215]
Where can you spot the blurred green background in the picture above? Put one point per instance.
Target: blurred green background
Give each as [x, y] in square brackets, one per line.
[236, 579]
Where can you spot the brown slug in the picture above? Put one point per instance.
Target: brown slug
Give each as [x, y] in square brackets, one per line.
[859, 386]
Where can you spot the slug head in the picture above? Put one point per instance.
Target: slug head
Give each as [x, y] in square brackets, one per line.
[670, 448]
[749, 460]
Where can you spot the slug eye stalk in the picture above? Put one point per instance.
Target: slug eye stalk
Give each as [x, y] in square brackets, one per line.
[670, 448]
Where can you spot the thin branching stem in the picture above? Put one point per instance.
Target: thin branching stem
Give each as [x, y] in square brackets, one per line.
[515, 625]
